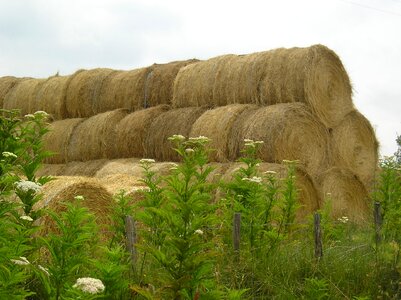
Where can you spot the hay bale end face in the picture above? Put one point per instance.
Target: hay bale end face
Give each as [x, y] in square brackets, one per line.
[132, 130]
[289, 131]
[313, 75]
[348, 196]
[63, 190]
[84, 91]
[58, 138]
[6, 84]
[95, 137]
[216, 124]
[22, 96]
[177, 121]
[354, 146]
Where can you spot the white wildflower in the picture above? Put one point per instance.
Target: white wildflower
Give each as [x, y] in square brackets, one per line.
[343, 220]
[250, 144]
[89, 285]
[79, 198]
[45, 270]
[286, 161]
[26, 218]
[177, 137]
[30, 116]
[26, 186]
[259, 142]
[248, 141]
[22, 261]
[270, 172]
[41, 113]
[189, 150]
[255, 179]
[199, 232]
[201, 138]
[9, 154]
[147, 161]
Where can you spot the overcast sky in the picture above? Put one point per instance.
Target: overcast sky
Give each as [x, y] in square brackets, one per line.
[41, 37]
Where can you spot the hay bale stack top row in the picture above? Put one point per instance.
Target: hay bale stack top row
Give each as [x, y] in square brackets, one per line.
[312, 75]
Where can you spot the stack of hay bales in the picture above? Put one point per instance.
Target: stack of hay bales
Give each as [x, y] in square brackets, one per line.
[298, 101]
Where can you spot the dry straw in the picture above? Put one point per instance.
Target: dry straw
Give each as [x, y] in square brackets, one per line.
[216, 124]
[177, 121]
[354, 146]
[308, 196]
[132, 130]
[6, 84]
[83, 168]
[346, 193]
[58, 138]
[160, 80]
[314, 75]
[50, 96]
[123, 89]
[95, 137]
[289, 131]
[84, 91]
[63, 190]
[51, 170]
[22, 96]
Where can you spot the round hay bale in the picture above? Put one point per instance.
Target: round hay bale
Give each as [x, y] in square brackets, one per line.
[63, 190]
[86, 168]
[58, 138]
[216, 124]
[123, 89]
[132, 186]
[177, 121]
[51, 170]
[6, 84]
[194, 83]
[289, 131]
[160, 80]
[50, 96]
[347, 194]
[94, 138]
[354, 146]
[22, 96]
[313, 75]
[132, 130]
[308, 196]
[84, 91]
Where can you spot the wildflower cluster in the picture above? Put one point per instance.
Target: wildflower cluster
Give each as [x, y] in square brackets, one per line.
[89, 285]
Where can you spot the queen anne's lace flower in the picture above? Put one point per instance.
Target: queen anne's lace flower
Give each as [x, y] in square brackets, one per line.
[198, 231]
[9, 154]
[26, 186]
[255, 179]
[26, 218]
[22, 261]
[177, 137]
[89, 285]
[147, 161]
[41, 113]
[79, 198]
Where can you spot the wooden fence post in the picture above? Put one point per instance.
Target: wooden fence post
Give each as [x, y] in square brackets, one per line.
[130, 232]
[318, 236]
[236, 232]
[378, 222]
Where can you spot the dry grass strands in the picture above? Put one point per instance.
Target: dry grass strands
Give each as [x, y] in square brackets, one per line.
[216, 124]
[177, 121]
[95, 137]
[83, 168]
[51, 170]
[22, 96]
[130, 185]
[50, 96]
[160, 80]
[132, 130]
[63, 190]
[346, 193]
[58, 138]
[6, 84]
[84, 91]
[308, 196]
[314, 75]
[289, 131]
[123, 89]
[354, 146]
